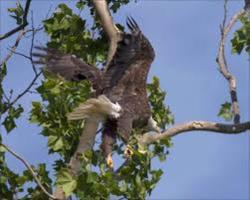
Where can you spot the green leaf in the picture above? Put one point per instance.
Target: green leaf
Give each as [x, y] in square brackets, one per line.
[2, 149]
[92, 177]
[18, 13]
[9, 124]
[55, 142]
[241, 39]
[65, 9]
[3, 71]
[225, 111]
[80, 4]
[66, 181]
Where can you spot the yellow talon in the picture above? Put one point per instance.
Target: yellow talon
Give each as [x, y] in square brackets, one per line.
[128, 152]
[109, 161]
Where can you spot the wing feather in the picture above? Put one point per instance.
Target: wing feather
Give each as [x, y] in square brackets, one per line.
[67, 66]
[132, 48]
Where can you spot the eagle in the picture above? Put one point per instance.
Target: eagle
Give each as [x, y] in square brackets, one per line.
[119, 99]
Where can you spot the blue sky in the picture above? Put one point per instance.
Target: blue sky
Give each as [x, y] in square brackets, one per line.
[185, 35]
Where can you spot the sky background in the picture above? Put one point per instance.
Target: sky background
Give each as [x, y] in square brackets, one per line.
[185, 36]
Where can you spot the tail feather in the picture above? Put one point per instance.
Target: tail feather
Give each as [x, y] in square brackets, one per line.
[98, 108]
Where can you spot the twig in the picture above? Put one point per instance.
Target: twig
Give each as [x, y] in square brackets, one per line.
[32, 45]
[14, 47]
[22, 93]
[22, 26]
[221, 60]
[28, 166]
[148, 138]
[20, 54]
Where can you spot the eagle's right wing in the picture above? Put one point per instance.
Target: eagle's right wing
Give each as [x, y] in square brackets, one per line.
[68, 66]
[131, 51]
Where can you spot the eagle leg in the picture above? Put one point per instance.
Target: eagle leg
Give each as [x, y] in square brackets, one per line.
[108, 140]
[128, 152]
[124, 129]
[109, 161]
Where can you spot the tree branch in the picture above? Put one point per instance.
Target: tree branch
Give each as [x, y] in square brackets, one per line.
[14, 47]
[148, 138]
[22, 26]
[113, 33]
[221, 60]
[28, 166]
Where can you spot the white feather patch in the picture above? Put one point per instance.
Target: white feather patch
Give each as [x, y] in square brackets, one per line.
[98, 108]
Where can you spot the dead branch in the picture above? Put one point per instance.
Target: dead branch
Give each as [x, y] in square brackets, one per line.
[148, 138]
[28, 166]
[20, 27]
[221, 60]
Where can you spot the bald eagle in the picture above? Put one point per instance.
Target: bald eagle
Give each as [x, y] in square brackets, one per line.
[120, 98]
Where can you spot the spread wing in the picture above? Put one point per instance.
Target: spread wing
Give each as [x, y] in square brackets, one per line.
[133, 48]
[67, 66]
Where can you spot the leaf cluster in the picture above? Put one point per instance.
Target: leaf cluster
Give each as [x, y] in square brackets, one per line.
[241, 39]
[226, 111]
[17, 13]
[59, 98]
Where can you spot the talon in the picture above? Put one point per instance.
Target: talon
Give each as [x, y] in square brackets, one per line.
[128, 151]
[109, 161]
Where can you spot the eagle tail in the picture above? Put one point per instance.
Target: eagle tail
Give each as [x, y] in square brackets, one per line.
[96, 108]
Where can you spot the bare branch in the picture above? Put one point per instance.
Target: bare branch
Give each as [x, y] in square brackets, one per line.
[22, 26]
[148, 138]
[32, 44]
[113, 33]
[14, 47]
[20, 54]
[28, 166]
[221, 60]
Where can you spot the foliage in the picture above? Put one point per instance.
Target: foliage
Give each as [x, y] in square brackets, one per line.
[160, 112]
[18, 13]
[241, 39]
[59, 98]
[12, 184]
[226, 111]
